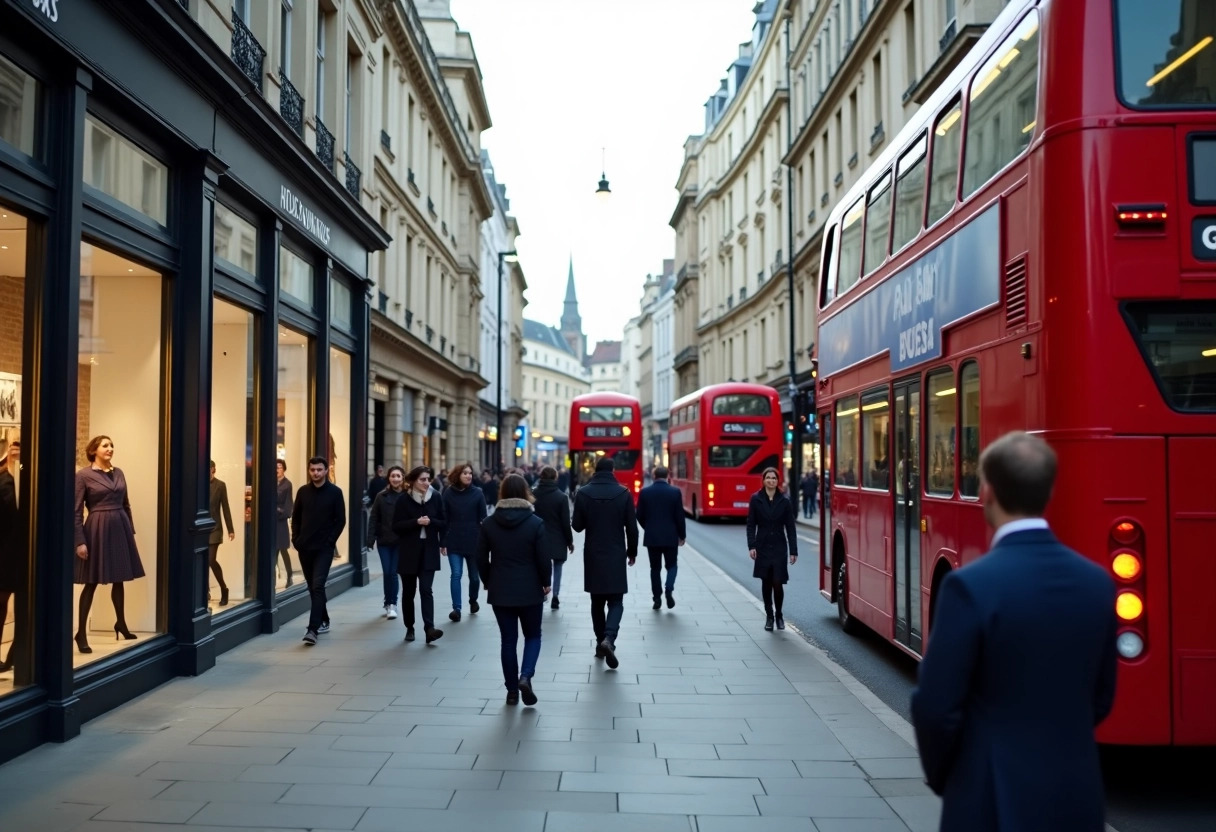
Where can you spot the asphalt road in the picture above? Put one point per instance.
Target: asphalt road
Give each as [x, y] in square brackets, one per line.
[1148, 790]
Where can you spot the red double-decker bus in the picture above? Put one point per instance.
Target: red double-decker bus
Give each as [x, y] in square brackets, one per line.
[1036, 250]
[606, 424]
[719, 440]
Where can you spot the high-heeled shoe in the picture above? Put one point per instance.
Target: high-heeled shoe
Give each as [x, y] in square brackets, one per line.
[82, 643]
[223, 596]
[124, 632]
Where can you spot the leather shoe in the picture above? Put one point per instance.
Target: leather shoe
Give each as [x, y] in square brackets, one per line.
[609, 653]
[473, 605]
[433, 634]
[409, 633]
[671, 600]
[454, 615]
[525, 690]
[512, 697]
[657, 603]
[768, 622]
[780, 622]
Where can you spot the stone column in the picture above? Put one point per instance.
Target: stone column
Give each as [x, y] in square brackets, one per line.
[419, 427]
[393, 412]
[458, 433]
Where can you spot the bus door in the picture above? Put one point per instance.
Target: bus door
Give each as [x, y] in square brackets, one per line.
[825, 498]
[908, 629]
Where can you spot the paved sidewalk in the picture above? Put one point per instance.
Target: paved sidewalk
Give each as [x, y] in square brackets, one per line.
[709, 725]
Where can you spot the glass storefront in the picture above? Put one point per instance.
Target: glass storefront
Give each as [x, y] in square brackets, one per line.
[293, 424]
[340, 447]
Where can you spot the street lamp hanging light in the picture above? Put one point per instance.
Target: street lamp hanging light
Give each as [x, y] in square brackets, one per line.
[603, 191]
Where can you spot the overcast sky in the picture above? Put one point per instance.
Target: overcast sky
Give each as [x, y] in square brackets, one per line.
[564, 78]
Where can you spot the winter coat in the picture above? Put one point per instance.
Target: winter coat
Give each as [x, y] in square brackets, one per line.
[511, 555]
[283, 507]
[604, 509]
[219, 507]
[465, 509]
[418, 546]
[109, 530]
[553, 507]
[380, 523]
[13, 551]
[490, 489]
[770, 529]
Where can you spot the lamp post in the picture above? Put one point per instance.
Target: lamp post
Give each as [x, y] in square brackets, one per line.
[796, 434]
[503, 257]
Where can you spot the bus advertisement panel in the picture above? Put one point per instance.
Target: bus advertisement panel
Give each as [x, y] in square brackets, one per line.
[606, 424]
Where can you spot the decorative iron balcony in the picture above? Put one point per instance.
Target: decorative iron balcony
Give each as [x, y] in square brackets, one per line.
[325, 146]
[247, 53]
[430, 334]
[386, 141]
[409, 318]
[430, 206]
[823, 200]
[742, 294]
[911, 89]
[948, 37]
[853, 160]
[291, 104]
[353, 175]
[410, 177]
[688, 355]
[444, 225]
[730, 301]
[810, 217]
[443, 343]
[760, 278]
[838, 180]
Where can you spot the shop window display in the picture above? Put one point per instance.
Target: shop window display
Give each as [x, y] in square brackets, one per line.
[119, 420]
[339, 434]
[18, 108]
[294, 437]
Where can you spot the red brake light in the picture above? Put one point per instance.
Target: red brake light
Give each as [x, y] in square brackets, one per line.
[1125, 532]
[1140, 214]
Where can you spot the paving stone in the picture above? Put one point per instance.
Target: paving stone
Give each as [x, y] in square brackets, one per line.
[583, 821]
[151, 811]
[532, 781]
[278, 816]
[308, 774]
[454, 762]
[542, 801]
[631, 765]
[687, 750]
[710, 823]
[218, 772]
[688, 804]
[783, 751]
[824, 806]
[829, 768]
[922, 813]
[733, 768]
[860, 825]
[910, 787]
[836, 787]
[885, 768]
[429, 820]
[438, 778]
[644, 784]
[230, 792]
[368, 796]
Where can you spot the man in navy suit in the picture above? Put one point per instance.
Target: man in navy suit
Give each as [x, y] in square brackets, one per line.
[661, 514]
[1020, 666]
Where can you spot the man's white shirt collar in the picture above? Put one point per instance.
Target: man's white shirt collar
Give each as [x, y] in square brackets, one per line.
[1023, 525]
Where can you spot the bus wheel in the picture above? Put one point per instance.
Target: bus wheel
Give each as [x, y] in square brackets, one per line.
[847, 622]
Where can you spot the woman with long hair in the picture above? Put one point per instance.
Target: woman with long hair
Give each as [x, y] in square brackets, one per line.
[419, 523]
[771, 536]
[515, 568]
[553, 507]
[380, 532]
[465, 507]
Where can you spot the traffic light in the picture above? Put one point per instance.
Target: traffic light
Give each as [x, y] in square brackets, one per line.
[789, 433]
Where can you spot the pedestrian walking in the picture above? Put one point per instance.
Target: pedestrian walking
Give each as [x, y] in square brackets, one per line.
[376, 484]
[772, 535]
[553, 508]
[219, 508]
[380, 532]
[512, 557]
[809, 489]
[604, 509]
[419, 522]
[661, 514]
[1020, 665]
[283, 508]
[465, 507]
[489, 487]
[317, 519]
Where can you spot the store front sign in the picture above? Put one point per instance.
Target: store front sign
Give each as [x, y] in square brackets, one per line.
[49, 9]
[305, 216]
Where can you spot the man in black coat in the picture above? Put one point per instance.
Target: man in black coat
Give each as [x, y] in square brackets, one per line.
[604, 509]
[1020, 666]
[661, 514]
[317, 520]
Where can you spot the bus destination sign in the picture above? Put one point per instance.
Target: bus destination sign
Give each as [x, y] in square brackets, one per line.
[742, 427]
[605, 430]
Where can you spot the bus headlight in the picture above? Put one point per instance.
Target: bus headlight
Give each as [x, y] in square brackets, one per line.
[1129, 644]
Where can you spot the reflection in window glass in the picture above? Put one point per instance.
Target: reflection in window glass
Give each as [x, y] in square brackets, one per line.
[909, 195]
[120, 396]
[1004, 100]
[844, 471]
[340, 306]
[738, 404]
[295, 276]
[293, 425]
[943, 182]
[340, 468]
[849, 271]
[875, 431]
[115, 166]
[969, 439]
[603, 413]
[878, 224]
[16, 645]
[940, 433]
[19, 94]
[236, 239]
[1167, 53]
[232, 555]
[730, 456]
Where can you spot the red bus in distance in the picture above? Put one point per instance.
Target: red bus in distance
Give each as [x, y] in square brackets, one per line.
[1040, 257]
[606, 424]
[719, 440]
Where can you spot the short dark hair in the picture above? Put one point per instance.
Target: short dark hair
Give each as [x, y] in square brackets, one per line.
[417, 471]
[548, 473]
[90, 450]
[281, 463]
[213, 463]
[515, 487]
[604, 463]
[318, 460]
[457, 470]
[1021, 471]
[660, 472]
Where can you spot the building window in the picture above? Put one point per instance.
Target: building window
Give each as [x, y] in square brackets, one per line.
[295, 276]
[293, 435]
[119, 169]
[321, 29]
[339, 448]
[285, 38]
[19, 108]
[341, 308]
[235, 239]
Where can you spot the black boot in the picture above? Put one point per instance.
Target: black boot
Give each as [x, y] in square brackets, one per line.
[768, 621]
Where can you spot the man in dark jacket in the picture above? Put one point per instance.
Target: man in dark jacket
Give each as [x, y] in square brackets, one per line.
[219, 509]
[1020, 666]
[604, 509]
[317, 519]
[376, 484]
[809, 488]
[661, 514]
[553, 507]
[489, 486]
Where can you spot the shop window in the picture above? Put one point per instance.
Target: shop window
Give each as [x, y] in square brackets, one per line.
[293, 438]
[118, 168]
[845, 470]
[969, 437]
[235, 239]
[940, 428]
[119, 420]
[295, 276]
[16, 647]
[875, 435]
[340, 454]
[233, 435]
[340, 304]
[19, 113]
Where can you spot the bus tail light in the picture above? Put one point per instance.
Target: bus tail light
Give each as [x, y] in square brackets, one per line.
[1125, 532]
[1126, 548]
[1129, 644]
[1141, 215]
[637, 486]
[1126, 565]
[1129, 606]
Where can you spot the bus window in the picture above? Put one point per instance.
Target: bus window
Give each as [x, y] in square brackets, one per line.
[696, 465]
[943, 182]
[878, 223]
[730, 456]
[849, 271]
[909, 194]
[741, 404]
[1003, 106]
[827, 277]
[1153, 43]
[604, 413]
[875, 432]
[939, 432]
[625, 460]
[969, 438]
[844, 469]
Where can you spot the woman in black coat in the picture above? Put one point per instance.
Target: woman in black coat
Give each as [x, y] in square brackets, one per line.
[515, 567]
[419, 522]
[553, 507]
[465, 507]
[771, 535]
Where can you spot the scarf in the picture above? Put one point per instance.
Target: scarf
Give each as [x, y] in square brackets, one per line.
[420, 501]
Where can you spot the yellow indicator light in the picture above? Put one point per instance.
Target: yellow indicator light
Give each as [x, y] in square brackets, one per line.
[626, 430]
[1126, 566]
[1129, 606]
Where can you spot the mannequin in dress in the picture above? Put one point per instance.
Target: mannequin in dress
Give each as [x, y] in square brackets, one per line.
[105, 538]
[283, 506]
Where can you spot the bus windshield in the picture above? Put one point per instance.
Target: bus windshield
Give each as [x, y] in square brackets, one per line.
[602, 413]
[740, 404]
[1166, 54]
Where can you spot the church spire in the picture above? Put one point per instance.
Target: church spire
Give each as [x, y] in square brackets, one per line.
[572, 322]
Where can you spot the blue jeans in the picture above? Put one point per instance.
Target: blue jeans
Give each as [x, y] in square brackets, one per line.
[388, 563]
[510, 621]
[557, 577]
[660, 555]
[457, 563]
